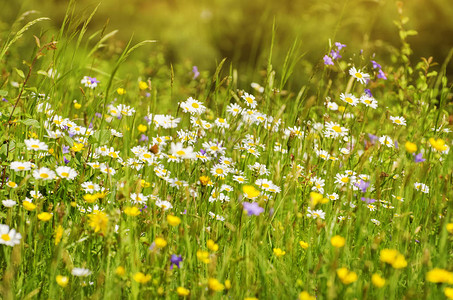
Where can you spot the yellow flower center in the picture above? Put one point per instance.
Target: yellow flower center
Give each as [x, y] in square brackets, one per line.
[180, 152]
[336, 128]
[44, 175]
[345, 179]
[358, 75]
[20, 168]
[35, 146]
[195, 105]
[219, 171]
[349, 100]
[65, 174]
[6, 237]
[249, 100]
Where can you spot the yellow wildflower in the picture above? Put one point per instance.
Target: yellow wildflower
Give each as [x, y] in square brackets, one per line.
[279, 252]
[58, 234]
[142, 128]
[337, 241]
[173, 220]
[44, 216]
[306, 296]
[121, 91]
[212, 245]
[182, 291]
[120, 271]
[410, 147]
[142, 85]
[346, 276]
[132, 211]
[28, 205]
[98, 221]
[450, 227]
[62, 280]
[160, 242]
[303, 244]
[141, 278]
[203, 256]
[438, 144]
[377, 280]
[215, 285]
[204, 180]
[437, 275]
[250, 191]
[448, 292]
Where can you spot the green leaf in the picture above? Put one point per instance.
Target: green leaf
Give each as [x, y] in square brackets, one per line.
[102, 136]
[30, 122]
[3, 93]
[431, 74]
[20, 73]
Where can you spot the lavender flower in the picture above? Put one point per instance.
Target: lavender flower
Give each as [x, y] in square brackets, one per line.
[65, 149]
[252, 208]
[66, 161]
[175, 261]
[376, 65]
[195, 72]
[362, 185]
[373, 138]
[340, 45]
[368, 200]
[368, 92]
[419, 158]
[335, 54]
[327, 60]
[381, 75]
[143, 138]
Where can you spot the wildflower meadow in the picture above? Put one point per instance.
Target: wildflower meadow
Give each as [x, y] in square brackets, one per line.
[118, 182]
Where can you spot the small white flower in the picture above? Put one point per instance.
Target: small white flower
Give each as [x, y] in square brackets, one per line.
[80, 272]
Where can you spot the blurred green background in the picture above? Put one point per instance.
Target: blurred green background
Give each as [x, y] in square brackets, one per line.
[202, 32]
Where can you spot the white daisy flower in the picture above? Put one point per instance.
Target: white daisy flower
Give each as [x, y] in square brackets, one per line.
[359, 75]
[349, 98]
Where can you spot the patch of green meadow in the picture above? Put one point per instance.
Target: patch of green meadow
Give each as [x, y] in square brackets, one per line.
[189, 184]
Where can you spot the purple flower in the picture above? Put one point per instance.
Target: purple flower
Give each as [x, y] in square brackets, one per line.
[335, 54]
[376, 65]
[65, 149]
[368, 92]
[419, 158]
[175, 261]
[66, 161]
[93, 80]
[373, 138]
[202, 151]
[396, 144]
[339, 45]
[143, 138]
[327, 60]
[368, 200]
[362, 185]
[252, 208]
[99, 115]
[4, 100]
[381, 75]
[147, 95]
[195, 72]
